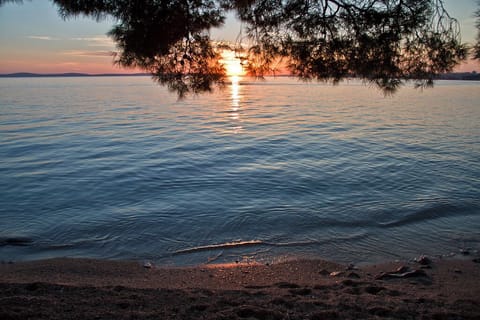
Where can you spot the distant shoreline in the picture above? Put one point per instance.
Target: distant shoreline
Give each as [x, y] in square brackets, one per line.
[69, 75]
[467, 76]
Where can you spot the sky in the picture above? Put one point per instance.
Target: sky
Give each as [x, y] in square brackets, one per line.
[34, 38]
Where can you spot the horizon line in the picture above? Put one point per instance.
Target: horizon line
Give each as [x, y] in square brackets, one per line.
[472, 75]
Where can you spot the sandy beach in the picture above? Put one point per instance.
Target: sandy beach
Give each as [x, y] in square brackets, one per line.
[300, 289]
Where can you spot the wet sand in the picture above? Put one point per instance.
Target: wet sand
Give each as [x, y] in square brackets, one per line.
[301, 289]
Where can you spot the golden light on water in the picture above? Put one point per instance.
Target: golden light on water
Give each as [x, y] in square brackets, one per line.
[235, 104]
[235, 92]
[234, 71]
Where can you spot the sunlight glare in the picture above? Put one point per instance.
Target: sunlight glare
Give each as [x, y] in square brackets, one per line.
[235, 106]
[232, 64]
[235, 93]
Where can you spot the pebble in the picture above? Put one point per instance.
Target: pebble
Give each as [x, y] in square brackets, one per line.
[147, 265]
[402, 269]
[324, 272]
[351, 266]
[423, 260]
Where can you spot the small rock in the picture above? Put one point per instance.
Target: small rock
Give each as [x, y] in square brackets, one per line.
[457, 271]
[382, 276]
[402, 269]
[287, 285]
[423, 260]
[337, 273]
[350, 283]
[465, 252]
[373, 289]
[300, 292]
[324, 272]
[351, 266]
[147, 265]
[353, 275]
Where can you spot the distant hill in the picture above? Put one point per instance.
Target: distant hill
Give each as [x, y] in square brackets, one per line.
[69, 74]
[460, 76]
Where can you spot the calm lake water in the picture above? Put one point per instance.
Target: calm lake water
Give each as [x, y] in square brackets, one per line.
[117, 168]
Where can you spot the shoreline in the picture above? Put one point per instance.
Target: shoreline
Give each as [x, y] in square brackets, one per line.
[297, 289]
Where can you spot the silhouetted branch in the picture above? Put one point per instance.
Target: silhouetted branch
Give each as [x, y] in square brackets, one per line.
[386, 42]
[476, 49]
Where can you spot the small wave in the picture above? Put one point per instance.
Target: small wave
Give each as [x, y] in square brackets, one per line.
[236, 244]
[432, 213]
[125, 108]
[15, 241]
[292, 243]
[221, 246]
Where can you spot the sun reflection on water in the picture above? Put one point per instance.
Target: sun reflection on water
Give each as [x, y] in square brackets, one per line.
[235, 93]
[235, 103]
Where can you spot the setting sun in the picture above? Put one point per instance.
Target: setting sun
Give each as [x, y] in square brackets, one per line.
[232, 64]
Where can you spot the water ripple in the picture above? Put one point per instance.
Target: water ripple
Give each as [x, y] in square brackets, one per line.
[117, 168]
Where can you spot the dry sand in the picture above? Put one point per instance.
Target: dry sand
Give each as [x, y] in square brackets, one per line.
[302, 289]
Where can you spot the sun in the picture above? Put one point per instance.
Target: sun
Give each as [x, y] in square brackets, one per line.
[232, 64]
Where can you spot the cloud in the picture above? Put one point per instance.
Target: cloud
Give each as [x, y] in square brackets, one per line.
[96, 41]
[46, 38]
[99, 41]
[95, 38]
[90, 53]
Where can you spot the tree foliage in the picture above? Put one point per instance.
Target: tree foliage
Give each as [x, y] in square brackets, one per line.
[476, 48]
[385, 42]
[169, 39]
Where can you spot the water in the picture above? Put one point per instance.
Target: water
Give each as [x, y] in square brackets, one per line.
[117, 168]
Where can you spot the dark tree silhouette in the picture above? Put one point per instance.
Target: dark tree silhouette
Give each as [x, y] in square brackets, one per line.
[476, 48]
[386, 42]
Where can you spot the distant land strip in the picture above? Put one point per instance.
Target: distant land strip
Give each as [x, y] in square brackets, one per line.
[69, 74]
[471, 76]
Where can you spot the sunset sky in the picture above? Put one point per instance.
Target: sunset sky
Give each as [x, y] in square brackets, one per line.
[33, 38]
